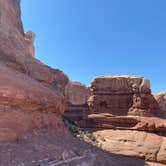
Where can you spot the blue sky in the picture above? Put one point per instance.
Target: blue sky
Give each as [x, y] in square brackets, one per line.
[86, 38]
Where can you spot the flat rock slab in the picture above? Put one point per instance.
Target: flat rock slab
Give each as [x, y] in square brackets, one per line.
[134, 144]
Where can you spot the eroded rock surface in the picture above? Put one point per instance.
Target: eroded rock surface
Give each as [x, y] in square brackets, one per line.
[134, 143]
[107, 121]
[11, 30]
[125, 105]
[77, 95]
[16, 122]
[17, 48]
[20, 90]
[161, 100]
[122, 95]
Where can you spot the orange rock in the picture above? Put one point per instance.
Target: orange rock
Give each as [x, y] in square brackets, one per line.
[20, 90]
[133, 143]
[122, 95]
[161, 100]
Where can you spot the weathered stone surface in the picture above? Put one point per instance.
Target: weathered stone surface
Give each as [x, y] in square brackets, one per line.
[107, 121]
[10, 16]
[12, 37]
[76, 93]
[30, 38]
[134, 143]
[77, 96]
[32, 100]
[31, 103]
[144, 105]
[52, 78]
[17, 49]
[126, 105]
[16, 122]
[120, 85]
[20, 90]
[113, 104]
[122, 95]
[161, 100]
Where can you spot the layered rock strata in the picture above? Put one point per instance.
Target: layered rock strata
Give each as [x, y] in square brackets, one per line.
[77, 95]
[31, 93]
[126, 118]
[17, 48]
[107, 121]
[122, 95]
[161, 100]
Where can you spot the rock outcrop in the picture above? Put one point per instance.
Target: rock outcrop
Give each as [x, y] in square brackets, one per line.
[77, 95]
[161, 100]
[122, 95]
[107, 121]
[20, 90]
[30, 92]
[144, 145]
[125, 117]
[11, 29]
[17, 49]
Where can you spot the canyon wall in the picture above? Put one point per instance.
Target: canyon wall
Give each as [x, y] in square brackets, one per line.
[34, 96]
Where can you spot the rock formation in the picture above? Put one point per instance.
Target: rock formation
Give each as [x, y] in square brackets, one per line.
[77, 95]
[125, 117]
[161, 100]
[28, 91]
[30, 38]
[32, 100]
[17, 49]
[122, 95]
[136, 144]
